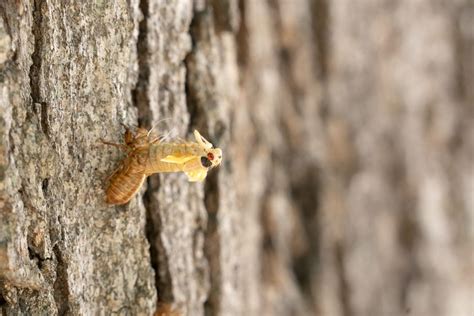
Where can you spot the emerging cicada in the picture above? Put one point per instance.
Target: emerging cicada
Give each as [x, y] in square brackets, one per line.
[147, 154]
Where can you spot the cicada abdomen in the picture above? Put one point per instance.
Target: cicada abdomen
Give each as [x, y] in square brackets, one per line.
[125, 182]
[128, 179]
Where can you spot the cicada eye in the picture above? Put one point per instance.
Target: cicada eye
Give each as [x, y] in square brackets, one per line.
[205, 162]
[210, 156]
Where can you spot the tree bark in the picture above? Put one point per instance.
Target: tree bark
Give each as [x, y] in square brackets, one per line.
[346, 186]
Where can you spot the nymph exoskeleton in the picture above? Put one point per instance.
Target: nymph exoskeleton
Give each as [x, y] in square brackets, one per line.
[148, 155]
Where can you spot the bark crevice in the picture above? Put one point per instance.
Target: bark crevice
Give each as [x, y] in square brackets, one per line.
[153, 225]
[242, 38]
[320, 23]
[197, 115]
[61, 285]
[140, 97]
[212, 244]
[158, 252]
[39, 106]
[198, 104]
[343, 284]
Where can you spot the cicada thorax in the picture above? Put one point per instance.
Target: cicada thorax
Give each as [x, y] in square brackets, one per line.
[158, 156]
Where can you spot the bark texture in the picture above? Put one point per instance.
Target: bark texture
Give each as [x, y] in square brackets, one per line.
[347, 181]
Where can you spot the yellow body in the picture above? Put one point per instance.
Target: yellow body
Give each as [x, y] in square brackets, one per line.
[146, 155]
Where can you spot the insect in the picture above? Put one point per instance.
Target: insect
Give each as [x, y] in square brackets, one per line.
[148, 154]
[166, 309]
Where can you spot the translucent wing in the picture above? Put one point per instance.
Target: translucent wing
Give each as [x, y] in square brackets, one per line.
[169, 136]
[178, 159]
[197, 175]
[201, 140]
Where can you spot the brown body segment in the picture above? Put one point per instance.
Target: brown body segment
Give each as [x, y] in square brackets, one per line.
[166, 309]
[125, 183]
[129, 178]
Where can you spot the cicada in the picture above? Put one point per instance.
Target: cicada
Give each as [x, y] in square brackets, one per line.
[148, 154]
[166, 309]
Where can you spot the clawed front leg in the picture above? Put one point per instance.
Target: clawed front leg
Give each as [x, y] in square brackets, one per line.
[120, 146]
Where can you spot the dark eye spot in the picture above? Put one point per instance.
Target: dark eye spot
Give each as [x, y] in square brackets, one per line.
[205, 162]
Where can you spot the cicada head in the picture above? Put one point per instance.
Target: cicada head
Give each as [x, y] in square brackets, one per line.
[213, 156]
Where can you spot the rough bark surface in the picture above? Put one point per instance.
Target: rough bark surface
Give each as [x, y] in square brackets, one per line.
[347, 181]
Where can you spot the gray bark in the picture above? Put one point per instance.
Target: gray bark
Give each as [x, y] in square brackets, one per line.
[347, 181]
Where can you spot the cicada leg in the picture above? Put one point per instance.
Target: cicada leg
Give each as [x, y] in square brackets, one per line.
[120, 146]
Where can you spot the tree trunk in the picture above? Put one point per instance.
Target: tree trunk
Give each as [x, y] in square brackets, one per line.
[346, 186]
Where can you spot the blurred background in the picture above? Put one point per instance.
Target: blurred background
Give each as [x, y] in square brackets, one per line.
[357, 140]
[346, 187]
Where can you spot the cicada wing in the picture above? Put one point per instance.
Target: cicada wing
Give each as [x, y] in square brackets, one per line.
[196, 175]
[195, 170]
[201, 140]
[177, 159]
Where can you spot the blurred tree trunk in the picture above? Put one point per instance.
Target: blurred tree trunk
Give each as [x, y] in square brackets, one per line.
[347, 181]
